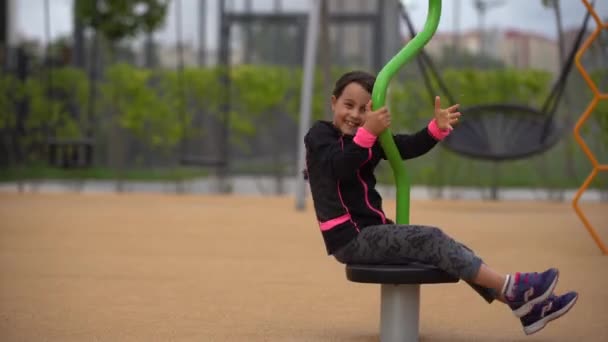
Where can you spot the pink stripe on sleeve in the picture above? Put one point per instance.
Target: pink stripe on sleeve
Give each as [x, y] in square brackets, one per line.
[364, 138]
[436, 132]
[327, 225]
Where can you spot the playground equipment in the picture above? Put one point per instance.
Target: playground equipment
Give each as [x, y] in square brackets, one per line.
[597, 97]
[400, 284]
[502, 131]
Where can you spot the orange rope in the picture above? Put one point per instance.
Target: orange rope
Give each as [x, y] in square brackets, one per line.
[597, 96]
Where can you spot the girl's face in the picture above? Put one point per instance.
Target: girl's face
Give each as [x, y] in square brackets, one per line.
[349, 108]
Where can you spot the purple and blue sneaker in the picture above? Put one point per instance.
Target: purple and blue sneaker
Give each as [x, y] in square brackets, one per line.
[524, 290]
[551, 308]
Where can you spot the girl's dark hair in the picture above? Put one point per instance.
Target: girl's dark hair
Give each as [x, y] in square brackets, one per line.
[364, 79]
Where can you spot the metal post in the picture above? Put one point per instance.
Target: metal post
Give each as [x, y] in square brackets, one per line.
[399, 313]
[11, 23]
[224, 64]
[3, 22]
[325, 55]
[50, 66]
[181, 102]
[378, 54]
[248, 34]
[202, 32]
[306, 99]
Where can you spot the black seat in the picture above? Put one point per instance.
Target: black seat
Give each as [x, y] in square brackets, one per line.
[503, 132]
[413, 273]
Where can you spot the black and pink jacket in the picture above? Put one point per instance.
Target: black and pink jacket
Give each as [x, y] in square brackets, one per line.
[340, 170]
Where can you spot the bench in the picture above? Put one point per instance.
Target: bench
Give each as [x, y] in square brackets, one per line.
[70, 153]
[400, 295]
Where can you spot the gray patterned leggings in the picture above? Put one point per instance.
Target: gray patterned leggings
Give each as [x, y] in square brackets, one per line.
[400, 244]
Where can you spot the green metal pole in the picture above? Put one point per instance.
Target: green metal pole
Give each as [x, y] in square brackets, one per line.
[379, 98]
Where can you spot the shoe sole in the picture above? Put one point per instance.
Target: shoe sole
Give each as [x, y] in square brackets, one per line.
[526, 308]
[536, 327]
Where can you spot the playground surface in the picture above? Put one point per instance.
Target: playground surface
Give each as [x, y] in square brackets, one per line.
[158, 267]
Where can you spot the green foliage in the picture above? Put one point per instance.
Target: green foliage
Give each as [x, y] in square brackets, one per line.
[412, 105]
[11, 91]
[471, 87]
[118, 19]
[260, 89]
[320, 98]
[53, 105]
[202, 88]
[409, 102]
[600, 114]
[151, 106]
[259, 93]
[152, 118]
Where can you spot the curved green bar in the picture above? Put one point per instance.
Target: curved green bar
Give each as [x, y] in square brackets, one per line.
[379, 98]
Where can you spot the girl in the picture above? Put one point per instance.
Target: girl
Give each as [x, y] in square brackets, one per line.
[341, 157]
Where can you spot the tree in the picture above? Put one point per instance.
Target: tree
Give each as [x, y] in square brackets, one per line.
[260, 93]
[116, 20]
[119, 19]
[68, 91]
[11, 92]
[151, 117]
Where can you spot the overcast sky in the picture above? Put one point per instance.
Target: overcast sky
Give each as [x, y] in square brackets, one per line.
[525, 15]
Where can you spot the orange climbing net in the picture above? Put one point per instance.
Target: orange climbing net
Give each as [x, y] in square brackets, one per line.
[597, 97]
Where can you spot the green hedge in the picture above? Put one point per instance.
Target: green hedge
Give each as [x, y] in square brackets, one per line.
[157, 107]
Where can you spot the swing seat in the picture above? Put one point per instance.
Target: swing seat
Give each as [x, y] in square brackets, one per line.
[500, 132]
[400, 295]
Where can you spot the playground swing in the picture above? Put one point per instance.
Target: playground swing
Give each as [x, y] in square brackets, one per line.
[502, 131]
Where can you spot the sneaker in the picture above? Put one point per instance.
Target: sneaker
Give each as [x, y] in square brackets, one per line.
[543, 313]
[526, 289]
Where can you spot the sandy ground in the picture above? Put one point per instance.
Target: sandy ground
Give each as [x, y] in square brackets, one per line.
[107, 267]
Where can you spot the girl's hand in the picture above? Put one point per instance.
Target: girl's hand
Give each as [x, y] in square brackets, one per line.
[376, 121]
[445, 118]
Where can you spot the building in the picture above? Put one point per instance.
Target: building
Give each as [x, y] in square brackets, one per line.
[524, 50]
[516, 49]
